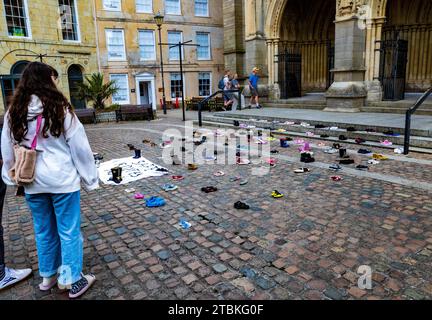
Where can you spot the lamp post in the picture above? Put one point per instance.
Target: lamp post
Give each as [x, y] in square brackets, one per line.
[159, 19]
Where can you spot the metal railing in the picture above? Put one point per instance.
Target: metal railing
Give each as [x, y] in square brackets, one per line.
[206, 100]
[409, 113]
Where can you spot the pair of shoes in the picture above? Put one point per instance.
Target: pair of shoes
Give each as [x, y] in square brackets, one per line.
[192, 166]
[116, 175]
[209, 189]
[241, 206]
[97, 157]
[155, 202]
[276, 194]
[137, 154]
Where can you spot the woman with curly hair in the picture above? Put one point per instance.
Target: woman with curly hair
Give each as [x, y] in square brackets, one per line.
[64, 159]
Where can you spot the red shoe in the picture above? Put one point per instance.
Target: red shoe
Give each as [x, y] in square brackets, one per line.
[177, 178]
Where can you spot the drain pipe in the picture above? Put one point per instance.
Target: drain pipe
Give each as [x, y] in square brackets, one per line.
[97, 36]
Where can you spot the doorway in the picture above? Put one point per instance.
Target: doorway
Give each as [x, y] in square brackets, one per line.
[145, 90]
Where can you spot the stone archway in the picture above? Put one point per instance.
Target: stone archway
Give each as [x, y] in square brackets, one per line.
[304, 28]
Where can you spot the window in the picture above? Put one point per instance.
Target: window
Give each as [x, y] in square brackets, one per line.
[201, 8]
[112, 5]
[144, 6]
[69, 21]
[147, 46]
[175, 37]
[204, 84]
[115, 44]
[203, 51]
[176, 85]
[172, 7]
[122, 95]
[17, 20]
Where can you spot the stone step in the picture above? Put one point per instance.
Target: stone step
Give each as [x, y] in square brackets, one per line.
[422, 111]
[294, 106]
[244, 117]
[372, 139]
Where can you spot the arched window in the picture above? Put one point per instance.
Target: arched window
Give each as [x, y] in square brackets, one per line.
[75, 77]
[10, 81]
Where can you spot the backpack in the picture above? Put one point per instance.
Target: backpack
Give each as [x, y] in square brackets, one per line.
[221, 84]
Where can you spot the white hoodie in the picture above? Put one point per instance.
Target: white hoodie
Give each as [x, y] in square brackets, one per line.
[61, 162]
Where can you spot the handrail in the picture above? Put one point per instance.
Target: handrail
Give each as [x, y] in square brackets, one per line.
[409, 113]
[204, 101]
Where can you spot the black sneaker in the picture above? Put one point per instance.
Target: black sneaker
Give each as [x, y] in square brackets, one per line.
[364, 151]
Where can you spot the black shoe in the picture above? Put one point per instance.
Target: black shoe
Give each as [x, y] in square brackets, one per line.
[241, 206]
[389, 132]
[236, 123]
[260, 133]
[320, 126]
[347, 161]
[324, 136]
[364, 151]
[97, 157]
[351, 129]
[116, 175]
[363, 168]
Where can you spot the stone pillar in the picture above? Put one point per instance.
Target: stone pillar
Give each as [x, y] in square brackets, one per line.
[373, 56]
[256, 48]
[234, 36]
[348, 91]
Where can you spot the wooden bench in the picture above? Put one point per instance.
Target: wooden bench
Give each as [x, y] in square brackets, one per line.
[86, 115]
[135, 112]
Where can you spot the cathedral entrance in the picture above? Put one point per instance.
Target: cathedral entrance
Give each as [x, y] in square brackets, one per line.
[306, 48]
[406, 48]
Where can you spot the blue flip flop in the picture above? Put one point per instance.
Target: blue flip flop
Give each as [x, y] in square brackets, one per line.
[155, 202]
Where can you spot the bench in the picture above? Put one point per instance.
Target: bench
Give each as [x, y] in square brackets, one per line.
[86, 116]
[135, 112]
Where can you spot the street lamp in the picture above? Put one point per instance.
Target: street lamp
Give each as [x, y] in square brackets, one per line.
[159, 19]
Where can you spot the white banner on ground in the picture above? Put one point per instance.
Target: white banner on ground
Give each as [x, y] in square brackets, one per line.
[132, 170]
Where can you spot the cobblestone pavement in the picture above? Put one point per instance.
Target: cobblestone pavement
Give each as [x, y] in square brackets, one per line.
[307, 245]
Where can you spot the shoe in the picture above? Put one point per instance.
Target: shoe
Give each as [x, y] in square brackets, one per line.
[155, 202]
[97, 157]
[137, 154]
[398, 150]
[50, 283]
[81, 286]
[165, 145]
[379, 157]
[320, 126]
[351, 129]
[169, 187]
[370, 130]
[336, 178]
[219, 174]
[324, 136]
[347, 161]
[244, 182]
[360, 140]
[374, 162]
[331, 151]
[301, 170]
[177, 178]
[243, 162]
[364, 151]
[389, 132]
[276, 194]
[386, 143]
[241, 206]
[192, 167]
[13, 276]
[131, 147]
[334, 128]
[335, 167]
[139, 196]
[343, 138]
[274, 151]
[284, 143]
[209, 189]
[336, 146]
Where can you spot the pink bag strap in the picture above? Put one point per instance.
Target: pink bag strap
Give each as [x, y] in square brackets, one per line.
[38, 126]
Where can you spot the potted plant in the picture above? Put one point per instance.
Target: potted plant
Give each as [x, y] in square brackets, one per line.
[96, 91]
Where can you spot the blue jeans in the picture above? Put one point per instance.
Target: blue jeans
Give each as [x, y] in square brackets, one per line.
[59, 243]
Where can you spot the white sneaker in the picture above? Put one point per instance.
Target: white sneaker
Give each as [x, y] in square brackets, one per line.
[13, 276]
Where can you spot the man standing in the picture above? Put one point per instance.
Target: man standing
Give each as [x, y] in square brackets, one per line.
[253, 86]
[8, 276]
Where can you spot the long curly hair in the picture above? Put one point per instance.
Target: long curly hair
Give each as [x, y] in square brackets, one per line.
[37, 80]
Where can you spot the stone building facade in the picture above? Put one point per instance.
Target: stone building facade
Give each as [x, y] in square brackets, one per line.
[129, 47]
[63, 30]
[354, 51]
